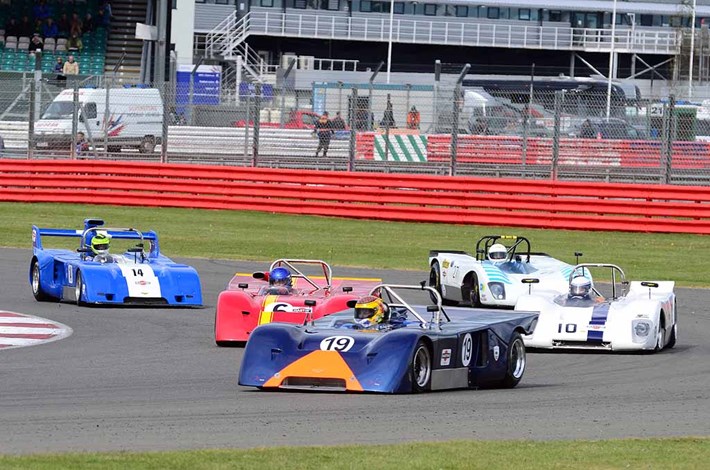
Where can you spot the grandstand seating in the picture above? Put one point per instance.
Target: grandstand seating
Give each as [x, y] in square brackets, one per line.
[13, 49]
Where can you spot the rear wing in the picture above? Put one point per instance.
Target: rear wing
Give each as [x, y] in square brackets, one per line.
[84, 236]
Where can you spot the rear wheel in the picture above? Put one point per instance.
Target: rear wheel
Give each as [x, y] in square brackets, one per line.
[37, 283]
[516, 362]
[78, 288]
[147, 145]
[420, 368]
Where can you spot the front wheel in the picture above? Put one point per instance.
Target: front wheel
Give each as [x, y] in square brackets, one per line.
[78, 288]
[435, 282]
[420, 368]
[37, 283]
[660, 338]
[474, 294]
[516, 362]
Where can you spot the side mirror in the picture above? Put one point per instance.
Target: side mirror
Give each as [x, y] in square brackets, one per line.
[259, 275]
[649, 284]
[432, 308]
[310, 303]
[347, 289]
[351, 303]
[530, 281]
[243, 285]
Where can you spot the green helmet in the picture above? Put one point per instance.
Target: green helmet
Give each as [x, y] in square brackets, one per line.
[100, 243]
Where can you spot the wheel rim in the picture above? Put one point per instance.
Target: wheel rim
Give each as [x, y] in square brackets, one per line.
[517, 358]
[77, 288]
[422, 367]
[473, 295]
[661, 338]
[35, 278]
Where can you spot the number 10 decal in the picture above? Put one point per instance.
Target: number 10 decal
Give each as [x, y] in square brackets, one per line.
[337, 343]
[568, 328]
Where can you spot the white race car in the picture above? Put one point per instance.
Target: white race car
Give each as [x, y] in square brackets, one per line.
[636, 316]
[492, 276]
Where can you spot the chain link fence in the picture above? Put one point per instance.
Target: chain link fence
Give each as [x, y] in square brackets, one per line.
[441, 128]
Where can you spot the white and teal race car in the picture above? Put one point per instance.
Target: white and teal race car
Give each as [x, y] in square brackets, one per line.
[492, 276]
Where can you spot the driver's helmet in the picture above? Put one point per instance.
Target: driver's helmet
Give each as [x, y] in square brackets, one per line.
[280, 277]
[580, 286]
[497, 253]
[100, 243]
[370, 311]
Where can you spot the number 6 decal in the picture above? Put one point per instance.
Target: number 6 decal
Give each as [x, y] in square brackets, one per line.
[337, 343]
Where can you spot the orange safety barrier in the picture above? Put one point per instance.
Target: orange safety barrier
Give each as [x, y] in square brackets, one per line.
[404, 197]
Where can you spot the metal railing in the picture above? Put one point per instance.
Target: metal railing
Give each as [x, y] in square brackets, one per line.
[231, 32]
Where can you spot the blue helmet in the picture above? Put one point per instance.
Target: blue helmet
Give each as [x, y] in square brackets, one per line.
[280, 277]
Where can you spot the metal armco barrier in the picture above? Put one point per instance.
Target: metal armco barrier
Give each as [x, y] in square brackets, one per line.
[411, 198]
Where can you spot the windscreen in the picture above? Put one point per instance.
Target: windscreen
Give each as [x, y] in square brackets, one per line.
[59, 110]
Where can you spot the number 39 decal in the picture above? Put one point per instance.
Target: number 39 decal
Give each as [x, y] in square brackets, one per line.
[337, 343]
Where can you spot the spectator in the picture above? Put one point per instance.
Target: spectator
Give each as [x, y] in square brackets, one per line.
[12, 28]
[480, 127]
[76, 25]
[26, 27]
[41, 11]
[70, 66]
[388, 118]
[50, 29]
[38, 27]
[106, 7]
[74, 43]
[89, 23]
[81, 144]
[36, 44]
[586, 131]
[413, 118]
[338, 123]
[64, 26]
[324, 132]
[102, 19]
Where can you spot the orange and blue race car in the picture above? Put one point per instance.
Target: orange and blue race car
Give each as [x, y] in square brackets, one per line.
[307, 291]
[411, 348]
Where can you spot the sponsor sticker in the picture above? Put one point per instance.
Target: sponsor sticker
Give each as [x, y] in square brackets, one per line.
[286, 307]
[445, 357]
[496, 353]
[445, 264]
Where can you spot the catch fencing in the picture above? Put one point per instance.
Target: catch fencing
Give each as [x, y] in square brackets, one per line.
[441, 129]
[374, 196]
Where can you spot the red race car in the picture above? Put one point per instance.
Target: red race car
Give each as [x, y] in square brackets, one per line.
[284, 294]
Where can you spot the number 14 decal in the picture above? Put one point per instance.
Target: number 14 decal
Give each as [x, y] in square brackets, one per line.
[137, 272]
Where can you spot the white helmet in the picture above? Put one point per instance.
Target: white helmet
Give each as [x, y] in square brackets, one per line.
[497, 253]
[580, 286]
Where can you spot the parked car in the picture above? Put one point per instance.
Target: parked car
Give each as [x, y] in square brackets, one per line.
[612, 128]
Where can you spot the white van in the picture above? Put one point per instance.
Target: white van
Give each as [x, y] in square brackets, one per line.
[134, 119]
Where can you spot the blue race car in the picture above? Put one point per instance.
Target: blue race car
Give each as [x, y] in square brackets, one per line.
[419, 348]
[90, 275]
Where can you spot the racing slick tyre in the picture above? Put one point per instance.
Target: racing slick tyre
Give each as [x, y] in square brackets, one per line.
[673, 337]
[420, 368]
[435, 282]
[473, 293]
[78, 288]
[37, 283]
[516, 362]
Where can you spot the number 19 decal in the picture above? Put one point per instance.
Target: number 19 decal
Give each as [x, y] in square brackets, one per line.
[337, 343]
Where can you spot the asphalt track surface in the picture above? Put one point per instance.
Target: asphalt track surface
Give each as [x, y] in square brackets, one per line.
[152, 379]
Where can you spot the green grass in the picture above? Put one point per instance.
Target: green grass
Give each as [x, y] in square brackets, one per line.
[680, 453]
[344, 242]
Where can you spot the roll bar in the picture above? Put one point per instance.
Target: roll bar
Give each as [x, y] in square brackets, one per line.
[400, 302]
[295, 272]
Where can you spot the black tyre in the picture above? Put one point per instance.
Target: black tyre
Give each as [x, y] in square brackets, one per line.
[516, 362]
[660, 338]
[37, 283]
[435, 282]
[147, 145]
[420, 368]
[674, 330]
[474, 295]
[78, 288]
